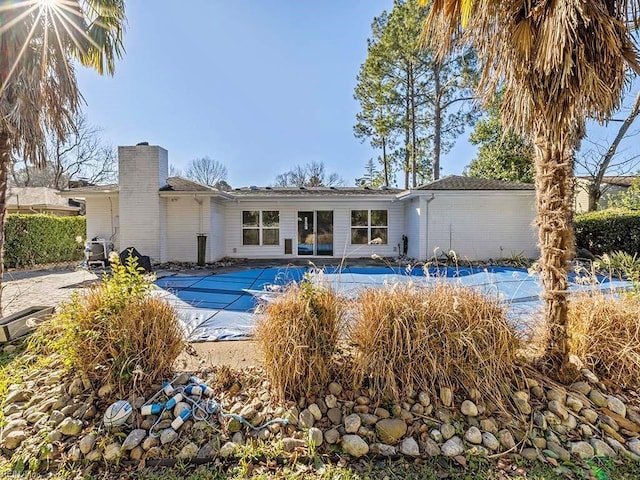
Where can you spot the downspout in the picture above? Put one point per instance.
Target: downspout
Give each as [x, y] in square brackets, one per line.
[426, 223]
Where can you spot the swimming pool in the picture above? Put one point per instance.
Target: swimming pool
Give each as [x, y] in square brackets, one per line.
[220, 306]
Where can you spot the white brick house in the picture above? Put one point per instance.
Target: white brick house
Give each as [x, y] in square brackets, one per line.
[162, 217]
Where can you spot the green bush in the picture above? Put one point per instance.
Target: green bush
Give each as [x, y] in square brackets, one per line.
[609, 230]
[36, 239]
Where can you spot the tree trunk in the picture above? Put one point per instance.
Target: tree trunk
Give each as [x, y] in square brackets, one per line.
[437, 121]
[554, 198]
[5, 161]
[407, 141]
[594, 196]
[414, 160]
[385, 161]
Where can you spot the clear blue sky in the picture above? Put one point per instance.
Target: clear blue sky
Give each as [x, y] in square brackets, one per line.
[260, 86]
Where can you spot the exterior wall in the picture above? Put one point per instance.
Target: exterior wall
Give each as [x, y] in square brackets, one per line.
[289, 208]
[482, 225]
[581, 198]
[142, 171]
[216, 240]
[186, 218]
[102, 218]
[415, 226]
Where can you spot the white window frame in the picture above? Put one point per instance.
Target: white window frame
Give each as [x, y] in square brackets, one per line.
[369, 227]
[260, 228]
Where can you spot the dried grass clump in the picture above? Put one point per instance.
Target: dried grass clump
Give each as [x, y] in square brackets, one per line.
[298, 334]
[409, 338]
[605, 335]
[116, 332]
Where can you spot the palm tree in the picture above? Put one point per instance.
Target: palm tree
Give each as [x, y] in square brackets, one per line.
[39, 40]
[558, 62]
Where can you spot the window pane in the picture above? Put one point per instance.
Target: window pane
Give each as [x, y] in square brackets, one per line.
[379, 236]
[251, 236]
[359, 236]
[359, 218]
[271, 236]
[270, 218]
[250, 219]
[379, 218]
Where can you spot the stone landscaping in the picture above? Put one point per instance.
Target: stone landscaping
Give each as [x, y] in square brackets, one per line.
[55, 418]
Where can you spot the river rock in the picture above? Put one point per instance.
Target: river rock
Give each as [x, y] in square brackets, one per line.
[469, 408]
[490, 441]
[382, 449]
[473, 435]
[190, 450]
[453, 447]
[133, 439]
[597, 398]
[331, 436]
[14, 439]
[489, 425]
[390, 430]
[331, 401]
[352, 423]
[111, 452]
[601, 448]
[529, 453]
[616, 405]
[354, 445]
[409, 447]
[557, 394]
[447, 431]
[150, 442]
[168, 435]
[306, 419]
[315, 436]
[16, 396]
[424, 399]
[227, 450]
[560, 452]
[574, 404]
[315, 411]
[87, 442]
[70, 426]
[74, 454]
[558, 409]
[381, 412]
[335, 389]
[582, 450]
[446, 396]
[290, 444]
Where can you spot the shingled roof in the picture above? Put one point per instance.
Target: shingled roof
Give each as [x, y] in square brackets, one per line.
[457, 182]
[174, 184]
[311, 191]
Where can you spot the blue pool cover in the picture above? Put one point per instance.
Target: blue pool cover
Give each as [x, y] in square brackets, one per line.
[221, 306]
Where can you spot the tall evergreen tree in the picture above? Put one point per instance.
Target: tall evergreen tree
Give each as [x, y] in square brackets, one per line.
[408, 97]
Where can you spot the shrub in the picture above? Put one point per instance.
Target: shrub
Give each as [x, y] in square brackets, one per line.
[608, 230]
[605, 335]
[298, 334]
[117, 332]
[408, 338]
[37, 239]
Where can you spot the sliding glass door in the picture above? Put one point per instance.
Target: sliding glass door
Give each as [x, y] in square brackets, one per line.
[315, 233]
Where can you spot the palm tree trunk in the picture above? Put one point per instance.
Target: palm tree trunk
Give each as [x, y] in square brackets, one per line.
[5, 161]
[554, 188]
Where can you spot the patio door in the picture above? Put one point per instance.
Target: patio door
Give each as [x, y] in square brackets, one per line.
[315, 233]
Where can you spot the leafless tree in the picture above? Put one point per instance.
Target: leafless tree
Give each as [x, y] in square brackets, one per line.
[603, 159]
[82, 155]
[175, 171]
[309, 175]
[207, 171]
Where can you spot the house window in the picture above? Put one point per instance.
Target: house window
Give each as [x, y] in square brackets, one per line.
[260, 227]
[369, 226]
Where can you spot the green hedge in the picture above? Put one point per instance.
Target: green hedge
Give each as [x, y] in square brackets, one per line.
[35, 239]
[608, 231]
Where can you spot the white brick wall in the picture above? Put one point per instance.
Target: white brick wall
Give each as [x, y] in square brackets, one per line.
[142, 171]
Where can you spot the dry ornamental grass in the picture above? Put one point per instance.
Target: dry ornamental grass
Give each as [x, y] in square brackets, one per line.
[409, 338]
[605, 335]
[298, 334]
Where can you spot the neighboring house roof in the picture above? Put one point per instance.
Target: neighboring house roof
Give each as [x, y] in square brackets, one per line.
[458, 182]
[37, 198]
[311, 191]
[617, 180]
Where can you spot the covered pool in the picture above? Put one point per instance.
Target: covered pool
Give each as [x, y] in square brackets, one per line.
[220, 306]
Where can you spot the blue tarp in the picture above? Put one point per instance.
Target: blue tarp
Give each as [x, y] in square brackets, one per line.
[221, 306]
